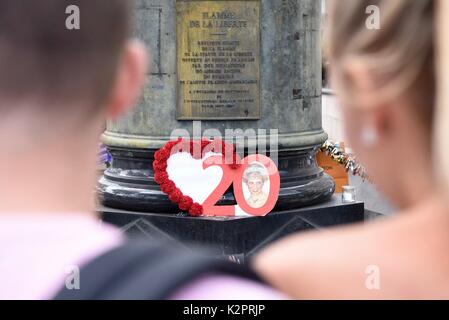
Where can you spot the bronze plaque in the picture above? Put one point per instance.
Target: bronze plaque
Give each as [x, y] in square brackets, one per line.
[218, 50]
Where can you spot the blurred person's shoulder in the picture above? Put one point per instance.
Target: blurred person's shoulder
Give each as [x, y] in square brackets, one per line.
[152, 270]
[40, 250]
[396, 257]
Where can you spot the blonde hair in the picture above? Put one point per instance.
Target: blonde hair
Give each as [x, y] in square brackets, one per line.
[403, 57]
[399, 56]
[255, 170]
[441, 138]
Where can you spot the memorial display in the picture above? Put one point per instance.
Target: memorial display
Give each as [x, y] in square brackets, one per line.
[196, 174]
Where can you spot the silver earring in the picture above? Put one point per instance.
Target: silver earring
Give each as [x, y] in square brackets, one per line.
[369, 136]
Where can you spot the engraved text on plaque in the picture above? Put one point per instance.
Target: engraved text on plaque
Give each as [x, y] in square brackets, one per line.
[218, 52]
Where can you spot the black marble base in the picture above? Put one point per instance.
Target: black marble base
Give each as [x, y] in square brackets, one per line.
[234, 236]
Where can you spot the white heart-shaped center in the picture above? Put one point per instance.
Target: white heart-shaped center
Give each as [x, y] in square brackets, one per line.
[189, 176]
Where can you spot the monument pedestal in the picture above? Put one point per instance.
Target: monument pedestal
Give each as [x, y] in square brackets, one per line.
[238, 237]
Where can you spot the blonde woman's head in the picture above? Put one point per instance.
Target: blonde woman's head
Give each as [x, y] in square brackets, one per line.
[386, 84]
[255, 178]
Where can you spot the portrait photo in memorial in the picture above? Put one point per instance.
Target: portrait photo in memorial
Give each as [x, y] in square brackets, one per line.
[256, 185]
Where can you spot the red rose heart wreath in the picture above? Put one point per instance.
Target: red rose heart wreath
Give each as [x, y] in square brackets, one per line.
[197, 149]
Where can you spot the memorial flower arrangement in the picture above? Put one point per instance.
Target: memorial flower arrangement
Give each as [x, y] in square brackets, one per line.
[197, 149]
[350, 163]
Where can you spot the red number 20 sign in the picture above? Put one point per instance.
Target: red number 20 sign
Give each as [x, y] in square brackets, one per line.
[195, 176]
[256, 172]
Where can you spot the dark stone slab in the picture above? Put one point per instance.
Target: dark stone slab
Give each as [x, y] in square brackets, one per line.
[233, 236]
[372, 215]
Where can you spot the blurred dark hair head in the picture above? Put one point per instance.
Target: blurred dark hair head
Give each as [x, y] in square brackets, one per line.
[42, 60]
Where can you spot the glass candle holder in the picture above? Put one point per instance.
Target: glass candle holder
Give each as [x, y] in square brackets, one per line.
[349, 194]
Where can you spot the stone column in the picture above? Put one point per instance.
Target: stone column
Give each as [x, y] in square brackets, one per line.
[282, 92]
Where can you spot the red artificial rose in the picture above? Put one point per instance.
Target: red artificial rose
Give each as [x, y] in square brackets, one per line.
[175, 147]
[204, 143]
[162, 155]
[196, 210]
[176, 196]
[185, 203]
[171, 144]
[165, 153]
[168, 148]
[159, 165]
[157, 155]
[168, 187]
[160, 177]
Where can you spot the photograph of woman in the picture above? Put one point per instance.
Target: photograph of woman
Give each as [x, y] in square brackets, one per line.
[255, 179]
